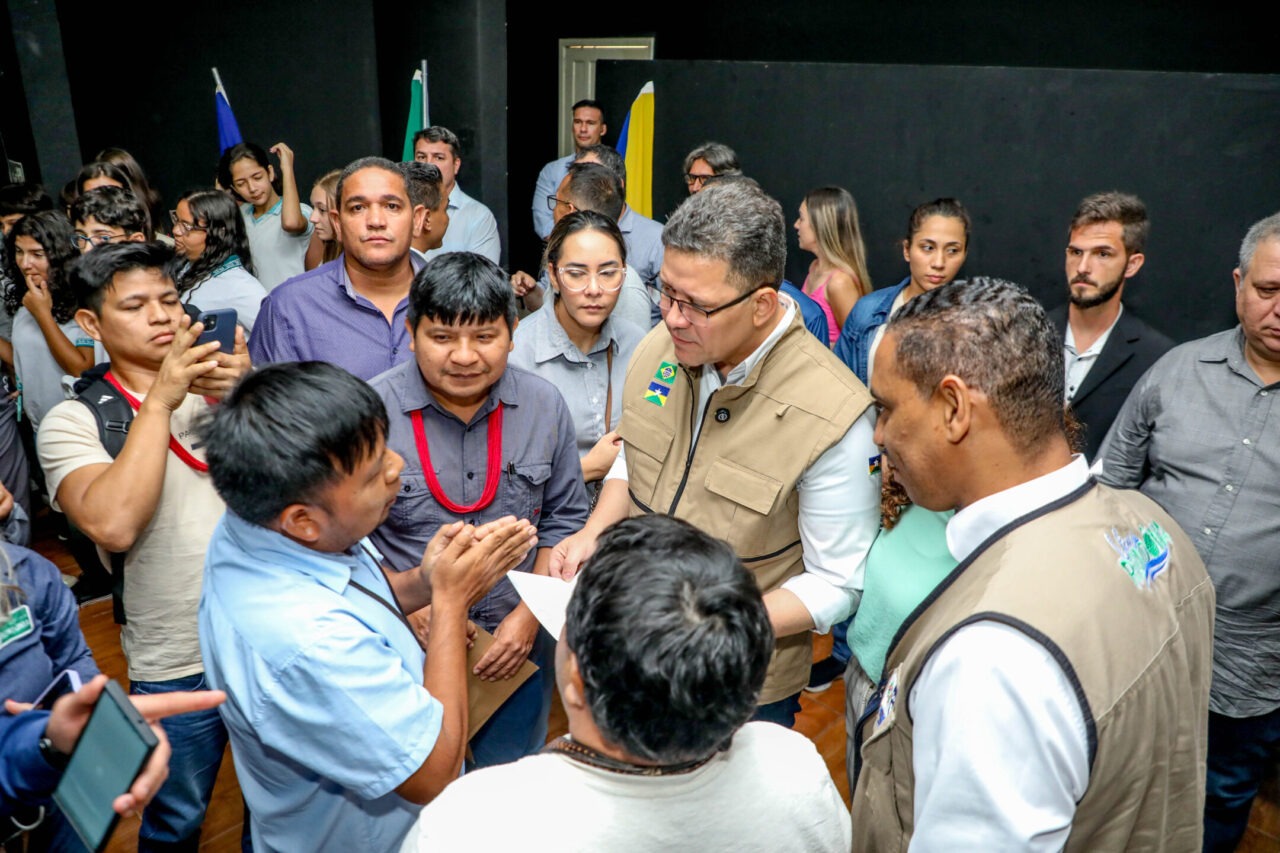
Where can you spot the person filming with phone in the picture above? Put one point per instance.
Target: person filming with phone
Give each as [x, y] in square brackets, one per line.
[143, 491]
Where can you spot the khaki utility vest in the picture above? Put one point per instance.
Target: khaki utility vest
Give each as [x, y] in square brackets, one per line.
[738, 481]
[1114, 590]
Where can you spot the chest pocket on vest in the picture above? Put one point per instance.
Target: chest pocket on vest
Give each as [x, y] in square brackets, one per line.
[647, 444]
[750, 497]
[875, 802]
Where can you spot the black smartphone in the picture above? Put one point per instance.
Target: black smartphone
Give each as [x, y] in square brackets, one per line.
[219, 326]
[67, 681]
[111, 752]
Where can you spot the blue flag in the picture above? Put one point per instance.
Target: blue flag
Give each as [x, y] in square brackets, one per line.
[228, 130]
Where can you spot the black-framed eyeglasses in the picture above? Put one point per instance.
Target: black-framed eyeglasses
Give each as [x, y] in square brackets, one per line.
[84, 241]
[553, 202]
[181, 226]
[696, 315]
[691, 179]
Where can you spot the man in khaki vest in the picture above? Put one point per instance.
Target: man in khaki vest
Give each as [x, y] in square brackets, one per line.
[1052, 692]
[739, 421]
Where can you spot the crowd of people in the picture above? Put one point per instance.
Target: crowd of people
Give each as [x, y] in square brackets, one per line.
[343, 534]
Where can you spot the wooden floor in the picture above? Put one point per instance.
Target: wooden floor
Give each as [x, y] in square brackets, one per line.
[821, 719]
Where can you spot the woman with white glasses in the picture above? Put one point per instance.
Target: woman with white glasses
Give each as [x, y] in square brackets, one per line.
[575, 342]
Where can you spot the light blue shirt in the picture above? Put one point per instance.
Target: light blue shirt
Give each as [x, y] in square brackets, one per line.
[542, 346]
[325, 704]
[548, 181]
[472, 228]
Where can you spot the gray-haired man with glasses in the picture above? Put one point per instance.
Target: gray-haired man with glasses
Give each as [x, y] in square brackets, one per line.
[739, 421]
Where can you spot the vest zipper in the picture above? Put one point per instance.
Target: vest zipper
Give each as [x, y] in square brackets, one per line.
[693, 445]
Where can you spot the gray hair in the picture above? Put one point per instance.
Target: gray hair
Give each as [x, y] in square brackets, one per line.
[736, 222]
[595, 187]
[1264, 229]
[996, 337]
[423, 181]
[720, 157]
[607, 156]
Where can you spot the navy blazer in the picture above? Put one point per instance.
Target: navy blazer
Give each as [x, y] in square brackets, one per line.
[1132, 348]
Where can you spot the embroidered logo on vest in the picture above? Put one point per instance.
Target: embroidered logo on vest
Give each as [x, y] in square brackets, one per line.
[657, 393]
[873, 465]
[1143, 555]
[888, 704]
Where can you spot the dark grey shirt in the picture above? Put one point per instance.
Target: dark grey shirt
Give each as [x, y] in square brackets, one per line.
[1200, 436]
[541, 478]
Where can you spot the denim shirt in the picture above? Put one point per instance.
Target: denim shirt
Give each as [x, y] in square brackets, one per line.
[540, 476]
[869, 313]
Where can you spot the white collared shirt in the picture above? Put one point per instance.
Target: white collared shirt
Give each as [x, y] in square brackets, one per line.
[1000, 749]
[839, 506]
[1079, 364]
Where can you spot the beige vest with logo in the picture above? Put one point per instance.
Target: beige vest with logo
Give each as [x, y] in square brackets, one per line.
[1074, 577]
[738, 482]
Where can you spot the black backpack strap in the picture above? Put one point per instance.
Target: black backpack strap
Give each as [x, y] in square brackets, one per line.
[114, 416]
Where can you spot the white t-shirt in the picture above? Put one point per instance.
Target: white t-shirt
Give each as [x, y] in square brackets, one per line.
[164, 569]
[769, 792]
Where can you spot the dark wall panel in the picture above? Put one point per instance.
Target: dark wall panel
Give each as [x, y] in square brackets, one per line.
[301, 73]
[1161, 36]
[1019, 146]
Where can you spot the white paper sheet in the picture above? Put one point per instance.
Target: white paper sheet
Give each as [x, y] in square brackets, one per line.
[547, 597]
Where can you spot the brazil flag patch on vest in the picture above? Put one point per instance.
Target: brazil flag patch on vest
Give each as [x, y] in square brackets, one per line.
[657, 393]
[666, 373]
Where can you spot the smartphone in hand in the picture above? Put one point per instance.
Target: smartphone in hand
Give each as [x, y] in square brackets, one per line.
[219, 326]
[111, 752]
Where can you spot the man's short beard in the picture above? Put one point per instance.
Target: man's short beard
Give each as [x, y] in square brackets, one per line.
[1101, 296]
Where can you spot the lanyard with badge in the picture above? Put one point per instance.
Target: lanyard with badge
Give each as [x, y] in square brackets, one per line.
[19, 622]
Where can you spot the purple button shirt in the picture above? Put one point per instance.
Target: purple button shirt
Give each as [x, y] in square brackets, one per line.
[318, 316]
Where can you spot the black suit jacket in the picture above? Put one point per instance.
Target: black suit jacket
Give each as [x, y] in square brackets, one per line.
[1132, 348]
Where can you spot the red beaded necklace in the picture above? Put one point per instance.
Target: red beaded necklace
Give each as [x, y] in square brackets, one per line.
[493, 470]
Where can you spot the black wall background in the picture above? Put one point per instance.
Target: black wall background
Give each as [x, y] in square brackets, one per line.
[299, 73]
[1162, 36]
[1019, 146]
[331, 76]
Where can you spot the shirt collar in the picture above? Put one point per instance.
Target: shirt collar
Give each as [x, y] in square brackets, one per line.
[971, 526]
[416, 262]
[741, 371]
[458, 199]
[1069, 343]
[274, 210]
[414, 393]
[552, 341]
[332, 571]
[1230, 349]
[626, 220]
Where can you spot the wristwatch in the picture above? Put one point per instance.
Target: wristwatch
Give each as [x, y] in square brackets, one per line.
[50, 753]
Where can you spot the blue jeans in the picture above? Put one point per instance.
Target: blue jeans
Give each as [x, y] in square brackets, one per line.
[519, 727]
[840, 641]
[1240, 751]
[783, 712]
[173, 819]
